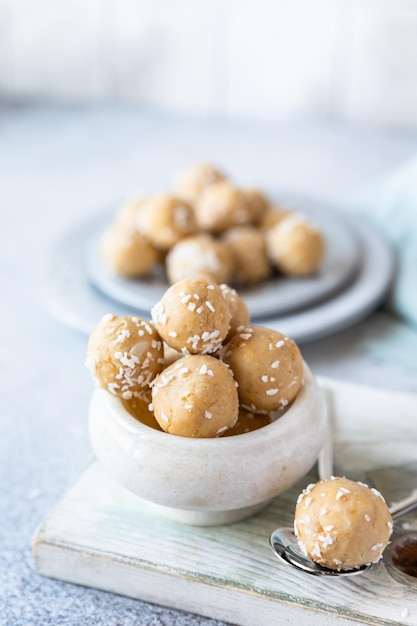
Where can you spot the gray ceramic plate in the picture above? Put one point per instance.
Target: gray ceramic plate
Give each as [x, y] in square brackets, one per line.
[70, 296]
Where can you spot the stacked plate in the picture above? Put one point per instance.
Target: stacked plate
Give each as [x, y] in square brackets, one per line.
[353, 280]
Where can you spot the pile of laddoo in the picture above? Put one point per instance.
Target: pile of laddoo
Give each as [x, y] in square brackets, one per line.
[199, 368]
[210, 227]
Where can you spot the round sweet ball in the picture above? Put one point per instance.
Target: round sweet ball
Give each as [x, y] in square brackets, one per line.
[240, 316]
[127, 252]
[127, 214]
[268, 368]
[221, 206]
[199, 255]
[164, 220]
[257, 203]
[170, 355]
[247, 422]
[195, 397]
[342, 524]
[295, 246]
[139, 409]
[124, 355]
[192, 181]
[192, 316]
[247, 246]
[272, 216]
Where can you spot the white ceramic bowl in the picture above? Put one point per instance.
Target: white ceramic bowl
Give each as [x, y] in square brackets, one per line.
[209, 481]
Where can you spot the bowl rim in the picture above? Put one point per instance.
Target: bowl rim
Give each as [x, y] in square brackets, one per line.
[141, 431]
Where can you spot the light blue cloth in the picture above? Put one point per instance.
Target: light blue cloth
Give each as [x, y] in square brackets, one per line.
[392, 204]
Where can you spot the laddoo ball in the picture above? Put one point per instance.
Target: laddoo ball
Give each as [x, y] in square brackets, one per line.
[267, 366]
[124, 354]
[195, 397]
[199, 255]
[342, 524]
[164, 220]
[192, 316]
[295, 246]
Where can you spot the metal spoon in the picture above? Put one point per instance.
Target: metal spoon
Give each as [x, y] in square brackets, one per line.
[284, 545]
[283, 541]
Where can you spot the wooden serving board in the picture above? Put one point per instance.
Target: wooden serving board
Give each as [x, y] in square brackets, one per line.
[100, 535]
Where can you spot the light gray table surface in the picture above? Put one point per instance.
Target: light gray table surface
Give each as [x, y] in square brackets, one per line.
[59, 166]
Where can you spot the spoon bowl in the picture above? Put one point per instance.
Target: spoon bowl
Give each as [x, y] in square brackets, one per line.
[284, 545]
[283, 541]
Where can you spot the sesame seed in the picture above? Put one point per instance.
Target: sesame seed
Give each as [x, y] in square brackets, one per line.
[123, 335]
[326, 540]
[210, 306]
[377, 493]
[221, 430]
[112, 387]
[340, 494]
[271, 392]
[316, 550]
[377, 546]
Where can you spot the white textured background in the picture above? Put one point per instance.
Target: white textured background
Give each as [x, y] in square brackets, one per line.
[347, 60]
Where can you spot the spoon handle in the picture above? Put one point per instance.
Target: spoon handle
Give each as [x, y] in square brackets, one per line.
[325, 460]
[404, 506]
